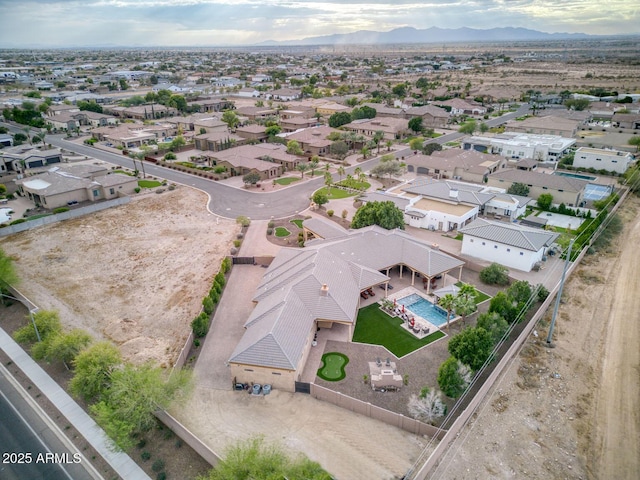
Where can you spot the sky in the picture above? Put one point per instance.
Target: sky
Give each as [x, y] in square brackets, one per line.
[65, 23]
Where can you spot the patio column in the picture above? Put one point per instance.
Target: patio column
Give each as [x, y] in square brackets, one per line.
[413, 277]
[460, 274]
[400, 270]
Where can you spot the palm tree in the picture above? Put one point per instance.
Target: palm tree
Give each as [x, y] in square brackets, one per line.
[27, 131]
[302, 167]
[377, 138]
[328, 180]
[313, 164]
[341, 171]
[448, 302]
[389, 143]
[467, 291]
[464, 306]
[365, 152]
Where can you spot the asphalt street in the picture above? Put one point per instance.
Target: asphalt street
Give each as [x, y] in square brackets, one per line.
[27, 444]
[231, 202]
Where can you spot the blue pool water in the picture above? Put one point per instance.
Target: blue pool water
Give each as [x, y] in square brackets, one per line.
[576, 175]
[424, 308]
[593, 191]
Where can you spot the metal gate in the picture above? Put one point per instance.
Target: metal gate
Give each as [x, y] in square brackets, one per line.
[302, 387]
[243, 260]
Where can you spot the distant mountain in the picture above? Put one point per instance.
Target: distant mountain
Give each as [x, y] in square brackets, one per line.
[431, 35]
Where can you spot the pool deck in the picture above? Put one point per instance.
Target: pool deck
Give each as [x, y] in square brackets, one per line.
[422, 322]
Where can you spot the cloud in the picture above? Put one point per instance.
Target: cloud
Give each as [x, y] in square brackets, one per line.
[215, 22]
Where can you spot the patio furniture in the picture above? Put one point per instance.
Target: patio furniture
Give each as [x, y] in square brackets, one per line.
[388, 363]
[425, 330]
[378, 362]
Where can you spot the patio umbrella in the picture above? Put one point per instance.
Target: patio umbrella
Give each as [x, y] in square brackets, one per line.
[402, 308]
[394, 302]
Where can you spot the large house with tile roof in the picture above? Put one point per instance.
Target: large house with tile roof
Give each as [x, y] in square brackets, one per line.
[319, 286]
[508, 244]
[567, 190]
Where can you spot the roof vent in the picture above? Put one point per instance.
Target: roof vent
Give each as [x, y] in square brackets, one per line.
[453, 193]
[324, 290]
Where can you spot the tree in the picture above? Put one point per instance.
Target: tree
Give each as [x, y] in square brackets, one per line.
[273, 130]
[378, 136]
[339, 118]
[8, 275]
[635, 142]
[483, 127]
[472, 346]
[428, 407]
[388, 144]
[320, 198]
[92, 370]
[504, 306]
[518, 188]
[493, 323]
[495, 274]
[313, 164]
[339, 149]
[400, 90]
[39, 137]
[416, 143]
[135, 393]
[66, 346]
[429, 148]
[545, 200]
[293, 147]
[453, 377]
[251, 178]
[415, 124]
[90, 106]
[230, 118]
[302, 167]
[384, 214]
[363, 112]
[520, 292]
[255, 459]
[341, 172]
[464, 306]
[448, 302]
[468, 127]
[577, 104]
[389, 165]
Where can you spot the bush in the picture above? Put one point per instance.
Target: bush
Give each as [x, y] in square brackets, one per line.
[243, 221]
[495, 274]
[158, 465]
[200, 325]
[161, 476]
[543, 293]
[344, 214]
[207, 305]
[60, 209]
[269, 231]
[19, 220]
[137, 189]
[219, 279]
[237, 243]
[225, 266]
[330, 213]
[271, 224]
[145, 455]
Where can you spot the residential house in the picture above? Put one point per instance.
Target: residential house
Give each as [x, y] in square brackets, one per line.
[22, 158]
[59, 186]
[313, 141]
[319, 287]
[602, 159]
[383, 110]
[208, 105]
[393, 128]
[545, 125]
[298, 112]
[63, 121]
[626, 120]
[284, 94]
[127, 135]
[267, 159]
[6, 140]
[512, 245]
[62, 108]
[257, 113]
[142, 112]
[248, 92]
[432, 116]
[567, 190]
[292, 124]
[462, 107]
[328, 109]
[515, 146]
[216, 141]
[252, 133]
[456, 163]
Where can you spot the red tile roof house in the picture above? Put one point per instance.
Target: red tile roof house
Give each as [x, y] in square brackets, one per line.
[267, 159]
[462, 107]
[313, 141]
[393, 128]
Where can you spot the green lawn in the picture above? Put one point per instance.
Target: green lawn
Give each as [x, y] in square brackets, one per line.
[377, 328]
[148, 183]
[297, 222]
[480, 296]
[337, 193]
[35, 217]
[286, 180]
[124, 172]
[282, 232]
[355, 184]
[332, 369]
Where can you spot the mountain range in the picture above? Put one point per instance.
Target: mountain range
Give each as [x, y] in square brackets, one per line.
[430, 35]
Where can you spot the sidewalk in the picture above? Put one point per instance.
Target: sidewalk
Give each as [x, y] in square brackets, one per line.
[119, 461]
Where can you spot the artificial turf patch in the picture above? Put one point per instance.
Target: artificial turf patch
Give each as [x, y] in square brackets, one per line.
[332, 369]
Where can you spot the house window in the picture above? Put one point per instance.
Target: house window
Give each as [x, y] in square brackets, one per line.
[276, 373]
[96, 193]
[112, 191]
[248, 370]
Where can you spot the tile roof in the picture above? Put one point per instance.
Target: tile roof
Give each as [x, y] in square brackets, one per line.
[290, 296]
[558, 182]
[532, 239]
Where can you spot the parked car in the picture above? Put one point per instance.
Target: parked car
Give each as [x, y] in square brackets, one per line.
[266, 389]
[256, 389]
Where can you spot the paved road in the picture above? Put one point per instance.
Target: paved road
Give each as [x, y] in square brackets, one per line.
[26, 438]
[231, 202]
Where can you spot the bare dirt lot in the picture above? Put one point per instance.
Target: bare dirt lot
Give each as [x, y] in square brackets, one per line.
[134, 274]
[571, 411]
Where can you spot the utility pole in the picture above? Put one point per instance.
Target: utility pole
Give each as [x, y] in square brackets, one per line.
[557, 306]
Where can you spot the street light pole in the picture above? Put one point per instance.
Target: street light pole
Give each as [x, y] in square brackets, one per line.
[557, 306]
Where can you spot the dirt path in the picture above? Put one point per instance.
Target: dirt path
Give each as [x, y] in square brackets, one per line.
[572, 411]
[616, 442]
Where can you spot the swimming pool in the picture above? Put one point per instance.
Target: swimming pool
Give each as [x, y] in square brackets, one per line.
[424, 308]
[594, 191]
[576, 175]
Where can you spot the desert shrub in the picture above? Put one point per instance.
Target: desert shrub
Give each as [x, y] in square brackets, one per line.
[161, 476]
[219, 279]
[344, 214]
[271, 224]
[237, 243]
[145, 455]
[158, 465]
[60, 209]
[269, 231]
[330, 213]
[225, 266]
[137, 189]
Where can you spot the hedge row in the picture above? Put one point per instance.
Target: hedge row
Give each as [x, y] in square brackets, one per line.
[200, 324]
